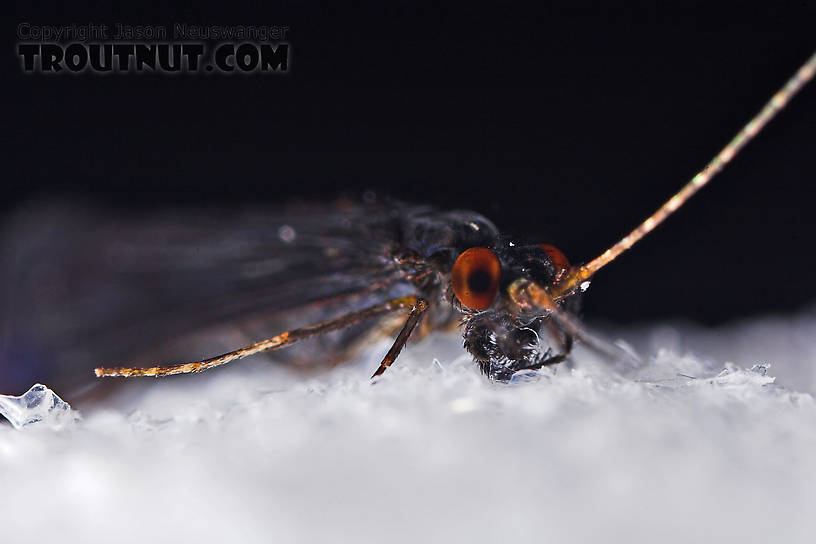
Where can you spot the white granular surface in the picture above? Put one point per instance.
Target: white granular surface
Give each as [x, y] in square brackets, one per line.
[690, 448]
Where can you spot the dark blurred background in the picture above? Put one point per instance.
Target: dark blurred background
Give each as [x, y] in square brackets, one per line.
[560, 123]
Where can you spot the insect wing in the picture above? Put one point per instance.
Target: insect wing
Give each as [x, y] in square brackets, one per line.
[82, 288]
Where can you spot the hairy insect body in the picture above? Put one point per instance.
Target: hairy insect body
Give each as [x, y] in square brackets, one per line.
[501, 340]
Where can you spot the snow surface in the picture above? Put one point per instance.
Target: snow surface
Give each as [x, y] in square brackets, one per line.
[687, 448]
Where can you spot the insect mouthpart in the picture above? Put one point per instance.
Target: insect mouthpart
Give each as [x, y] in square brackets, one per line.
[503, 343]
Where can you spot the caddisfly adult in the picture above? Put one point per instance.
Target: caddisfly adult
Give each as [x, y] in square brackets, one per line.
[343, 268]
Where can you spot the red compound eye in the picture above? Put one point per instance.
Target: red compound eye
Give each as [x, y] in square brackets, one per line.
[475, 278]
[557, 257]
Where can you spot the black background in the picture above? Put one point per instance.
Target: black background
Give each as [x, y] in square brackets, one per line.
[562, 124]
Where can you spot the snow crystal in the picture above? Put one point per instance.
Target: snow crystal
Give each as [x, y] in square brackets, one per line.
[38, 405]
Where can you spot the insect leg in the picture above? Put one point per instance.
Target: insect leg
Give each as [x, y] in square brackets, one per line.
[413, 318]
[529, 295]
[281, 340]
[555, 359]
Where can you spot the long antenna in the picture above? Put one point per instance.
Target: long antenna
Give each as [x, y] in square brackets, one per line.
[573, 278]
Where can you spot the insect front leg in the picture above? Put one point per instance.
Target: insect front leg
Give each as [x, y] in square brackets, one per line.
[419, 308]
[566, 348]
[416, 304]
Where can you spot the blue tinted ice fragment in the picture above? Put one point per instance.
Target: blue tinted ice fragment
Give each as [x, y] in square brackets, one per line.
[38, 404]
